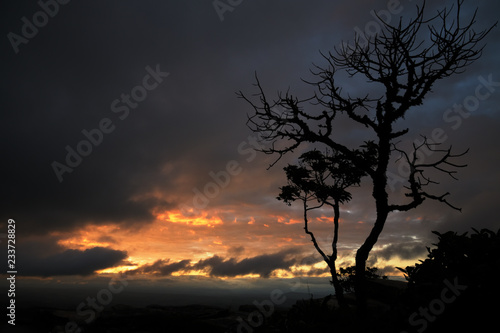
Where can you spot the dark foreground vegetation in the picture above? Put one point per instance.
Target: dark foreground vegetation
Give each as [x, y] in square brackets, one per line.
[455, 289]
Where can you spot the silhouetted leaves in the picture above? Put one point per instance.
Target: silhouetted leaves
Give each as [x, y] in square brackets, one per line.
[320, 176]
[347, 276]
[405, 64]
[473, 262]
[471, 257]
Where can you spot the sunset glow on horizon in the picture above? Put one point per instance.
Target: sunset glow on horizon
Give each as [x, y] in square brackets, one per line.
[156, 140]
[177, 243]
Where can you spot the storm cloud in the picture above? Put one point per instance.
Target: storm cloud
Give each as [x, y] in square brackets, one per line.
[163, 267]
[72, 262]
[218, 266]
[262, 265]
[63, 83]
[411, 250]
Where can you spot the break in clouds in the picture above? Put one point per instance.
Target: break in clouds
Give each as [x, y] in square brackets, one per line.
[167, 141]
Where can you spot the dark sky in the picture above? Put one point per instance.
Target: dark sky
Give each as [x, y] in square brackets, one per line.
[158, 79]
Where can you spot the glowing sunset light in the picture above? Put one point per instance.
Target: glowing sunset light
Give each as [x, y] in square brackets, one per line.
[282, 274]
[286, 220]
[328, 219]
[76, 243]
[191, 273]
[117, 270]
[198, 220]
[91, 236]
[212, 179]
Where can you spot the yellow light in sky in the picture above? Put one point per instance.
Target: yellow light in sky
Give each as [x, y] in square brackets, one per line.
[86, 238]
[191, 272]
[198, 220]
[116, 270]
[282, 274]
[175, 235]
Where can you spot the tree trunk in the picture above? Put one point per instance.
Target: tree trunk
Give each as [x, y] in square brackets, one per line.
[380, 195]
[362, 256]
[330, 260]
[339, 291]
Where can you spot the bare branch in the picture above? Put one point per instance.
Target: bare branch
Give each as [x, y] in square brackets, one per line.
[418, 179]
[313, 239]
[405, 64]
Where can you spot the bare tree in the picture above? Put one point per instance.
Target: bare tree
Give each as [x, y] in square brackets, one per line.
[405, 61]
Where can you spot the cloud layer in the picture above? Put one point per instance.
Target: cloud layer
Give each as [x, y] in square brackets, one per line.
[72, 262]
[217, 266]
[185, 140]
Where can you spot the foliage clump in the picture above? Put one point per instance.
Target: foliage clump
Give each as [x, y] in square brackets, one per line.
[347, 275]
[471, 262]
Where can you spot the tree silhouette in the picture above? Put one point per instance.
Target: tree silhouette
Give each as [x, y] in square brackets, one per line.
[405, 61]
[322, 178]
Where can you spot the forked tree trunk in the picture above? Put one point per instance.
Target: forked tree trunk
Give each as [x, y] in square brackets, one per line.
[330, 260]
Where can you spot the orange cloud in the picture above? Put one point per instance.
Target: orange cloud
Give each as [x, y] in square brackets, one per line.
[192, 219]
[286, 220]
[178, 236]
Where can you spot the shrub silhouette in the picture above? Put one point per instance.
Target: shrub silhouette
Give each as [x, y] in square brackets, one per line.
[474, 259]
[469, 260]
[347, 275]
[405, 60]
